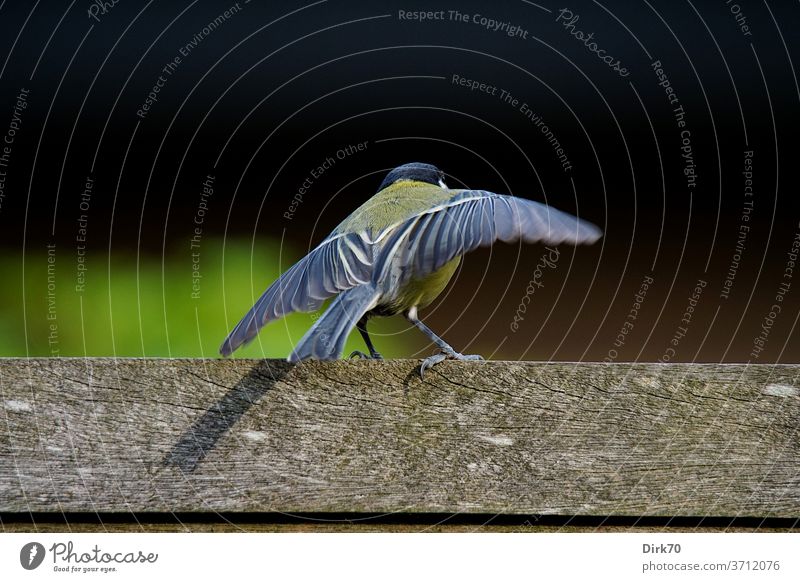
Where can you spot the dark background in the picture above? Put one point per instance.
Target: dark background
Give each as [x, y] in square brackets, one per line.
[276, 89]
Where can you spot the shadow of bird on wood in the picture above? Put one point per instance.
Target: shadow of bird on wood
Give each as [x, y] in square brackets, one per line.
[201, 438]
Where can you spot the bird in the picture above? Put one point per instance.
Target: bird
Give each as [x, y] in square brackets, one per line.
[394, 255]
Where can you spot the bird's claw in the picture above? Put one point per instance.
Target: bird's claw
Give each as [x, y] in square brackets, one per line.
[468, 357]
[431, 361]
[362, 356]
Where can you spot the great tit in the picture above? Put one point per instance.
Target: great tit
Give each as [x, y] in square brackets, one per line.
[394, 255]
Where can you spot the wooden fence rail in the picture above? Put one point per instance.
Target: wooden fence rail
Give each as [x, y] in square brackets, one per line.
[157, 435]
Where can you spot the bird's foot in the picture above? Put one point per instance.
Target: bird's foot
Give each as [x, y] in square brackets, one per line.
[431, 361]
[362, 356]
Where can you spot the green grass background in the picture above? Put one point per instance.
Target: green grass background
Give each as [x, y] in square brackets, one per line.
[143, 306]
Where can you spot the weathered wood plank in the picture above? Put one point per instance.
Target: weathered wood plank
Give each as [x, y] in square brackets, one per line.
[366, 527]
[359, 436]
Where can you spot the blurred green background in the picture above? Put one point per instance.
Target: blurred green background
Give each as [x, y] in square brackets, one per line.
[145, 307]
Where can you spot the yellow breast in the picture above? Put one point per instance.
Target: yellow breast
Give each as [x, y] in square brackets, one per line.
[420, 292]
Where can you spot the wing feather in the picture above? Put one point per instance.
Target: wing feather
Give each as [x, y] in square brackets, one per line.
[339, 263]
[476, 218]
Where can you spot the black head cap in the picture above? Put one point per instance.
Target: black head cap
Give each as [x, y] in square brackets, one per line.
[414, 171]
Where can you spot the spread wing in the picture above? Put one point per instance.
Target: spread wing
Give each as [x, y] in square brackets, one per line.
[414, 247]
[340, 262]
[472, 219]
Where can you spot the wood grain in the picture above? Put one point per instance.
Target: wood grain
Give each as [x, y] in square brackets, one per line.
[147, 435]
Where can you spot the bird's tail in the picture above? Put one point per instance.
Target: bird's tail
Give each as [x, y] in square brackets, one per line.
[325, 340]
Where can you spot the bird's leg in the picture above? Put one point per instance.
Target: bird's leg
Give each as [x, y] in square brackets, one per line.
[447, 350]
[373, 353]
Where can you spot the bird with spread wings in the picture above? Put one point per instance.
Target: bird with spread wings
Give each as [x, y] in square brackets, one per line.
[394, 255]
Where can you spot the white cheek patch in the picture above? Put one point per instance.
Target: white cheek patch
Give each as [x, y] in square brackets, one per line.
[442, 184]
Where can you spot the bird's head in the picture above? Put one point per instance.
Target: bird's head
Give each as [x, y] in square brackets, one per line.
[414, 171]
